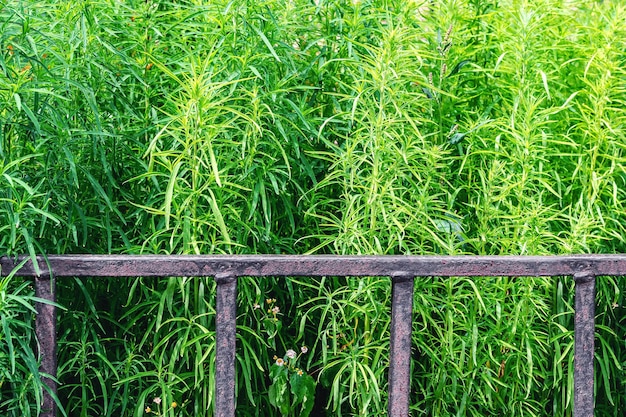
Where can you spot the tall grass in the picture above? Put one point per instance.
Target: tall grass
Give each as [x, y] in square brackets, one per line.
[360, 127]
[20, 380]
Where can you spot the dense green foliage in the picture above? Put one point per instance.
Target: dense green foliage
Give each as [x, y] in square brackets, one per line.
[312, 126]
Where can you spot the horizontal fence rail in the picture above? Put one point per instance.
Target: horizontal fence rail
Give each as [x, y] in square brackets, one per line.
[401, 269]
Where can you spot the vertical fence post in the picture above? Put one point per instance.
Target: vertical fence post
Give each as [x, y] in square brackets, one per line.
[45, 330]
[226, 334]
[584, 330]
[400, 349]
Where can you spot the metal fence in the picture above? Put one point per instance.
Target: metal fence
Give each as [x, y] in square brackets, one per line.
[402, 271]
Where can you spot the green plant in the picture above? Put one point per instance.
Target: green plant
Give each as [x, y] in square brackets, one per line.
[292, 390]
[21, 386]
[369, 126]
[157, 401]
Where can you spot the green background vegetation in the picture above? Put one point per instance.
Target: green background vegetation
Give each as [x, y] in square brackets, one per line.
[301, 126]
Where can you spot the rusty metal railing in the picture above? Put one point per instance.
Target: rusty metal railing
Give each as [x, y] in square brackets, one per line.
[402, 271]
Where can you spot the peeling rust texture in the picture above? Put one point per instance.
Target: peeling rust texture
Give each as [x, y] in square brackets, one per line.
[318, 265]
[400, 346]
[584, 329]
[225, 333]
[45, 329]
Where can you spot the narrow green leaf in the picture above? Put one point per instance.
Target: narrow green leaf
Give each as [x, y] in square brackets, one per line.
[169, 192]
[8, 336]
[218, 218]
[265, 41]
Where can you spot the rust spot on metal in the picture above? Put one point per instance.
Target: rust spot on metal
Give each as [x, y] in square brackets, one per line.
[583, 277]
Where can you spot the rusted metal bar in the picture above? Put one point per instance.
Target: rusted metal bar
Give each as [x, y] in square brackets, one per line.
[45, 329]
[225, 334]
[320, 265]
[400, 345]
[584, 331]
[225, 269]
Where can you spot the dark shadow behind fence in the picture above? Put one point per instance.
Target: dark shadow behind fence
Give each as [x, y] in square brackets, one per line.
[402, 271]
